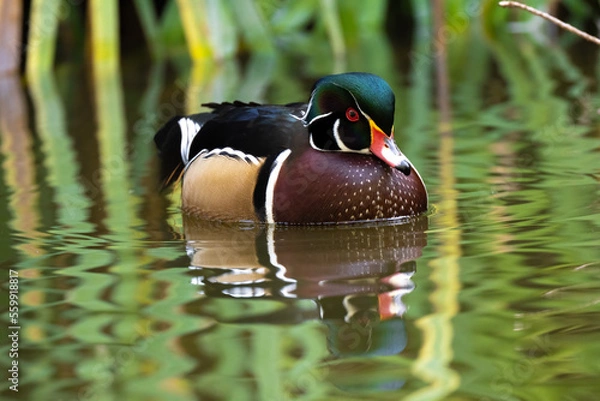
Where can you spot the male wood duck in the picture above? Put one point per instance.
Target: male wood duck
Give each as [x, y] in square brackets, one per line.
[332, 160]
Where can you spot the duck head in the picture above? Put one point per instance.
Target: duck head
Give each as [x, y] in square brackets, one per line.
[354, 112]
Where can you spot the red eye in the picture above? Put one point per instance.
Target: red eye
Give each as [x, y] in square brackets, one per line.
[352, 114]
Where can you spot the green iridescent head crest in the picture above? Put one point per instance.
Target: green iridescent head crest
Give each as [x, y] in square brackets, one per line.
[343, 109]
[371, 94]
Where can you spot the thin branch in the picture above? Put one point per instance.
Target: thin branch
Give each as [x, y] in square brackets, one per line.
[550, 18]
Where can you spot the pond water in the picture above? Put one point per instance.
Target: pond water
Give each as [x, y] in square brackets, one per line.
[494, 295]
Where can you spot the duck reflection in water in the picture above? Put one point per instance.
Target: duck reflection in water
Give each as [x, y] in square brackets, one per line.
[355, 274]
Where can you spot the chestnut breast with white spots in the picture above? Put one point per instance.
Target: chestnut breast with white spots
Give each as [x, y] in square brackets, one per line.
[322, 187]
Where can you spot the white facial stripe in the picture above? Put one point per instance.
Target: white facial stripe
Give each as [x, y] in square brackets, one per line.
[319, 117]
[270, 191]
[308, 107]
[325, 115]
[299, 118]
[189, 128]
[312, 143]
[338, 140]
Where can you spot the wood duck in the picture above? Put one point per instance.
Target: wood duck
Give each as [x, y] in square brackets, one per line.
[332, 160]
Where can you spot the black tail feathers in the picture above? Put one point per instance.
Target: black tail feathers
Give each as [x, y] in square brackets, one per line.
[168, 142]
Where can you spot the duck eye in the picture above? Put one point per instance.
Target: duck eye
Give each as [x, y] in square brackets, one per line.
[352, 114]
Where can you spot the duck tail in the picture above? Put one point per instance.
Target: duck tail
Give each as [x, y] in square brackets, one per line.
[168, 143]
[174, 142]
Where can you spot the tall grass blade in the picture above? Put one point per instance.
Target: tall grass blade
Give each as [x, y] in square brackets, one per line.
[196, 28]
[334, 32]
[150, 26]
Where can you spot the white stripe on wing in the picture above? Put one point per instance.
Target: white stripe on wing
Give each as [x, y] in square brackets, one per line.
[189, 128]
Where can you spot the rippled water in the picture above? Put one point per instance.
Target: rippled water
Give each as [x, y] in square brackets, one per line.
[492, 296]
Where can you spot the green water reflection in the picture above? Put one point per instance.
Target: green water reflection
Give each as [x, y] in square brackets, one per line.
[493, 296]
[269, 288]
